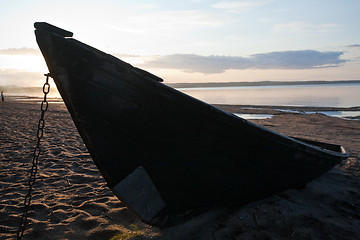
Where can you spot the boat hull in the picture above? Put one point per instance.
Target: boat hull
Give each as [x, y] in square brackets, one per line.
[165, 153]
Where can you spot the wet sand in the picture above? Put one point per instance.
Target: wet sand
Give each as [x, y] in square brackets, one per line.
[72, 201]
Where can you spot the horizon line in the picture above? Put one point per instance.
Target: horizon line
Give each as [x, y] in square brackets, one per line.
[228, 84]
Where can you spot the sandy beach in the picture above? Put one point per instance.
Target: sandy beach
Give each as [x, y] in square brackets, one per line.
[71, 200]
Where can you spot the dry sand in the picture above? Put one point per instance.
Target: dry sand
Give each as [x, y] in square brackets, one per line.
[72, 201]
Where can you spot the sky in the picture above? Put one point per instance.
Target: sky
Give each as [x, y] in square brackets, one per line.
[193, 40]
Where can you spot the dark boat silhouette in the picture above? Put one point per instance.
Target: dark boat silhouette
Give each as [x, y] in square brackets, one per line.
[166, 154]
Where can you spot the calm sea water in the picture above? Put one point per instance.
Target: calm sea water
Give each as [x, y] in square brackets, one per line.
[325, 95]
[329, 95]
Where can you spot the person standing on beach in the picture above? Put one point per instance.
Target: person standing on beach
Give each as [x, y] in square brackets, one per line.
[2, 96]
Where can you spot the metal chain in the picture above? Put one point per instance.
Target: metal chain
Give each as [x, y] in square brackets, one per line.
[35, 160]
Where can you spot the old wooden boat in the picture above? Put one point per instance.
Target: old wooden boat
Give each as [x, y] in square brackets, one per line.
[164, 153]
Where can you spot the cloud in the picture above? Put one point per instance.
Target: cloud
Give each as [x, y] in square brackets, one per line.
[301, 27]
[240, 6]
[196, 63]
[146, 6]
[171, 22]
[20, 51]
[305, 59]
[353, 46]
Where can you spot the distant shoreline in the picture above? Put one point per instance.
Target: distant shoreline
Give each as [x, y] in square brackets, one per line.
[258, 84]
[34, 90]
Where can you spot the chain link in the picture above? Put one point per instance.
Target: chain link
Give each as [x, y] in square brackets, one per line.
[35, 160]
